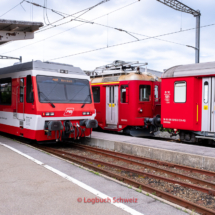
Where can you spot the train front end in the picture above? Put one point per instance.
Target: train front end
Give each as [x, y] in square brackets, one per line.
[63, 105]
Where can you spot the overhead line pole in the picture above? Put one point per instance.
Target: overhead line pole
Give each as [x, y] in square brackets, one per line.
[14, 58]
[177, 5]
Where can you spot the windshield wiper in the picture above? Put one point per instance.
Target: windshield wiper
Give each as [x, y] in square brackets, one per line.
[47, 99]
[85, 101]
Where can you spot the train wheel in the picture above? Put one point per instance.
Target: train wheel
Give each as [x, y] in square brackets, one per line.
[211, 142]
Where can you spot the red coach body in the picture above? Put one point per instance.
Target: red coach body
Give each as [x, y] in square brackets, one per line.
[188, 101]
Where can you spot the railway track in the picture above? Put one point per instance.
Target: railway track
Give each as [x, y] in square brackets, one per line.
[130, 169]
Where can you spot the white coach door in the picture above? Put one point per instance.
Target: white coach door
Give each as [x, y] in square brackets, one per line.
[20, 103]
[206, 104]
[112, 105]
[213, 104]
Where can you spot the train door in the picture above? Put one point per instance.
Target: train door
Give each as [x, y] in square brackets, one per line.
[157, 105]
[213, 104]
[112, 106]
[20, 102]
[208, 103]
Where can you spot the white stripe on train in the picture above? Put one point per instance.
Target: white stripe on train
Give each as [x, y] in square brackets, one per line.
[33, 122]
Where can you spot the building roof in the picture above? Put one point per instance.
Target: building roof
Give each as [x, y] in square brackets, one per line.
[11, 26]
[44, 66]
[198, 69]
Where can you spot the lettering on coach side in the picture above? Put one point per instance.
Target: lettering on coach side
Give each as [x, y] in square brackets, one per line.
[168, 120]
[28, 120]
[167, 97]
[68, 111]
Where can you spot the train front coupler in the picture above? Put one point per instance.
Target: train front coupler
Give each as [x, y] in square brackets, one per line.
[89, 123]
[68, 129]
[153, 123]
[55, 126]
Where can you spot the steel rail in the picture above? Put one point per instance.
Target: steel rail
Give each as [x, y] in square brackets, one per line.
[173, 181]
[174, 174]
[163, 163]
[161, 194]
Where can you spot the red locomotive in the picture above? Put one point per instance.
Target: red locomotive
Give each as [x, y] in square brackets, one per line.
[46, 101]
[124, 96]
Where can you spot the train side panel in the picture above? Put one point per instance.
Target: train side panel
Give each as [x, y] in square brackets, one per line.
[179, 110]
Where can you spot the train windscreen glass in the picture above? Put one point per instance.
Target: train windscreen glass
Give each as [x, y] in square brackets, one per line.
[63, 90]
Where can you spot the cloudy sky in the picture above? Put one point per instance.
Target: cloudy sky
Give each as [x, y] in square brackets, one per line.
[144, 17]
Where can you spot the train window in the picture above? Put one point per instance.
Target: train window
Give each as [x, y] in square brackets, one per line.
[5, 91]
[180, 92]
[96, 94]
[145, 93]
[113, 95]
[63, 90]
[206, 92]
[29, 91]
[21, 89]
[124, 94]
[110, 96]
[156, 93]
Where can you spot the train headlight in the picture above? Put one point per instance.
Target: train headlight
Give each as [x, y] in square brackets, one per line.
[86, 113]
[48, 114]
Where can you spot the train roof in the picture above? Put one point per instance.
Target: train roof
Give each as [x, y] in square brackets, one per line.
[44, 66]
[153, 72]
[123, 71]
[133, 76]
[198, 69]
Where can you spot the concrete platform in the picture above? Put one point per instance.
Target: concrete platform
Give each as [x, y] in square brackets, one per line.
[31, 188]
[179, 153]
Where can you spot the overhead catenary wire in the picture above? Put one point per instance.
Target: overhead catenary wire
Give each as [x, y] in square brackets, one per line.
[12, 8]
[122, 30]
[83, 12]
[47, 27]
[45, 13]
[120, 44]
[120, 8]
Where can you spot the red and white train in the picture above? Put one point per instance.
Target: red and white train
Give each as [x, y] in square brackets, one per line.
[46, 101]
[124, 96]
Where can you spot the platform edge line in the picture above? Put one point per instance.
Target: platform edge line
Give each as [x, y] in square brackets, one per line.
[75, 181]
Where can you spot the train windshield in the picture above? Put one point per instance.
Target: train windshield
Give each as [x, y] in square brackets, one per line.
[63, 90]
